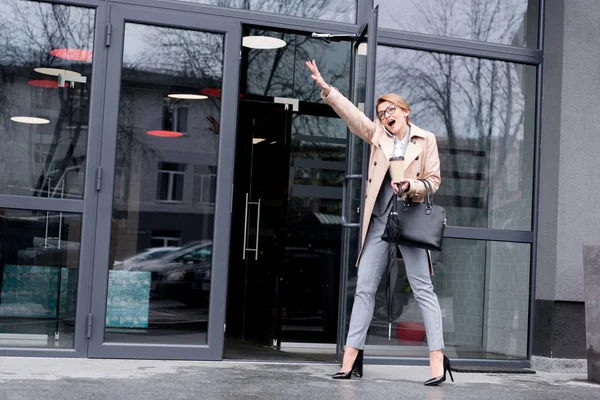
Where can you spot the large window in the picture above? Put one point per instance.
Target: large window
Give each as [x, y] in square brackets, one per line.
[511, 22]
[39, 267]
[45, 71]
[483, 115]
[483, 290]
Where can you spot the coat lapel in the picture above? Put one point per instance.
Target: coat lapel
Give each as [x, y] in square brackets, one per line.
[385, 143]
[412, 151]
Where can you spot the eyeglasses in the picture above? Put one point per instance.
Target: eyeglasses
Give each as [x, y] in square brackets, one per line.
[391, 109]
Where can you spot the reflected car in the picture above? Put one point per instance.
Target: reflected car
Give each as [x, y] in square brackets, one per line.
[183, 275]
[152, 253]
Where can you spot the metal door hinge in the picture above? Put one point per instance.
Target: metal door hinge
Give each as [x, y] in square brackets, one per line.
[98, 178]
[108, 34]
[88, 323]
[295, 103]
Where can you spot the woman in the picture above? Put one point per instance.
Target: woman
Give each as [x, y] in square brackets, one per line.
[394, 135]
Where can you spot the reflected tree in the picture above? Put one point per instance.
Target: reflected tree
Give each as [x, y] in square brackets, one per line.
[336, 10]
[32, 30]
[476, 104]
[495, 21]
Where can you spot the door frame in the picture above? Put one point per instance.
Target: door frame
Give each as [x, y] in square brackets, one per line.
[119, 15]
[248, 254]
[85, 207]
[368, 31]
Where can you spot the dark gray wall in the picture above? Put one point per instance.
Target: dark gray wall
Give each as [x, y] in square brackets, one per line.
[570, 143]
[569, 174]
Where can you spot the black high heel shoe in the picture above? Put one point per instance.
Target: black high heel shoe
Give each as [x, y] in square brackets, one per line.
[440, 379]
[357, 368]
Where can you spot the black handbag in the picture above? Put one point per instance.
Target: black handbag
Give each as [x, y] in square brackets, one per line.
[416, 224]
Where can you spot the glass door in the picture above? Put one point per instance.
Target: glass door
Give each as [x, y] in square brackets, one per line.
[362, 95]
[164, 186]
[262, 183]
[284, 265]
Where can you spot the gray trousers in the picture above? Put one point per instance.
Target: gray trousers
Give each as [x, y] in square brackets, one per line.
[374, 260]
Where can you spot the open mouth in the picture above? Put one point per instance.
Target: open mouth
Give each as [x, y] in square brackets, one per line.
[391, 122]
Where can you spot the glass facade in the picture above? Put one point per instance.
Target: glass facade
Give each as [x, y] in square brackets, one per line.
[229, 194]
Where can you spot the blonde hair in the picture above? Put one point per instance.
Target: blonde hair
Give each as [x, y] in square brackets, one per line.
[395, 99]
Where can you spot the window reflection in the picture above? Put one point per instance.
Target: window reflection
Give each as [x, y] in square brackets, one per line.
[315, 160]
[310, 277]
[483, 290]
[39, 267]
[483, 114]
[164, 194]
[511, 22]
[45, 71]
[282, 72]
[332, 10]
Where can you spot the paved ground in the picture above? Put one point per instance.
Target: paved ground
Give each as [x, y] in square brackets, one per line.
[42, 378]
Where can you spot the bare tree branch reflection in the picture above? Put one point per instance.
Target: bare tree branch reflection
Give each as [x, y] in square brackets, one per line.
[34, 30]
[496, 21]
[476, 104]
[336, 10]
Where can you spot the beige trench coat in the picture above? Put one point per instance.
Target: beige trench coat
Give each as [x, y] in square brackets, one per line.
[421, 160]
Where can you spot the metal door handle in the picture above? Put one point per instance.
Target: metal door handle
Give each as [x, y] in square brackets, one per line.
[245, 229]
[257, 231]
[245, 248]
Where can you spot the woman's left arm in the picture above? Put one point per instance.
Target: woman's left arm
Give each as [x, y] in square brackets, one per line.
[431, 170]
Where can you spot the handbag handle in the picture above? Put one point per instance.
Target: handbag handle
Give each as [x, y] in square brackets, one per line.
[428, 196]
[395, 200]
[429, 192]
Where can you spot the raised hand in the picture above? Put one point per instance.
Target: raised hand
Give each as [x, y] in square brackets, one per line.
[316, 75]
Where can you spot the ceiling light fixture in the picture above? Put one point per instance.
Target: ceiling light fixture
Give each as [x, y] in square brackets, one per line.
[262, 42]
[30, 120]
[44, 83]
[72, 54]
[184, 96]
[165, 134]
[55, 71]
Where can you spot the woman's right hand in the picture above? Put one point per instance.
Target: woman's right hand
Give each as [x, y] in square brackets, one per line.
[404, 184]
[316, 75]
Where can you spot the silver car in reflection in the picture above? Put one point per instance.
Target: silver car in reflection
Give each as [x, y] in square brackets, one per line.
[182, 275]
[152, 253]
